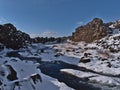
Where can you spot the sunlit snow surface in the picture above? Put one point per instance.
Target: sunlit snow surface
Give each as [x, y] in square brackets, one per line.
[102, 61]
[24, 70]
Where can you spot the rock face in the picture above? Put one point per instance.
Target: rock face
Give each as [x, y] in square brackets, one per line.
[94, 30]
[1, 47]
[117, 24]
[12, 38]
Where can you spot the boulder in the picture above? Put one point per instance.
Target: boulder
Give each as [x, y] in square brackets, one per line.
[13, 74]
[84, 60]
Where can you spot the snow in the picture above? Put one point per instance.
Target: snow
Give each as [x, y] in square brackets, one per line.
[25, 69]
[61, 86]
[95, 78]
[102, 60]
[111, 26]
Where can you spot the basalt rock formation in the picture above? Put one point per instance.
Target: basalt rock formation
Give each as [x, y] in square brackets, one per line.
[13, 38]
[90, 32]
[116, 25]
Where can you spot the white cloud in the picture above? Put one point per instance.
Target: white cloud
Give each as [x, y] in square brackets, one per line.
[3, 20]
[34, 35]
[49, 34]
[80, 23]
[45, 34]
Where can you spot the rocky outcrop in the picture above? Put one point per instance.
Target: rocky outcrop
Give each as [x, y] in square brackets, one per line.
[13, 74]
[90, 32]
[85, 58]
[49, 39]
[117, 24]
[13, 38]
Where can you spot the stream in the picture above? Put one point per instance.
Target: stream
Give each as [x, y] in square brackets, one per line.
[52, 69]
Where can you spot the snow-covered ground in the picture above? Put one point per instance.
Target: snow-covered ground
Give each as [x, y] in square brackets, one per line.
[103, 57]
[25, 70]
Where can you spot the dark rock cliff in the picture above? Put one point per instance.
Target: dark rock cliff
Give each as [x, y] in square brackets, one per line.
[90, 32]
[13, 38]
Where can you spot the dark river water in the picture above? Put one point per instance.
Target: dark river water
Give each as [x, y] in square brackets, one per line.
[53, 69]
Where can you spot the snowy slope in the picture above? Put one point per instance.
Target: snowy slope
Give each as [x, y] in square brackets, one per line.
[26, 71]
[104, 58]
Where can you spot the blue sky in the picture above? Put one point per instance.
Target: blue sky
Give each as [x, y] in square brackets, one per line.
[60, 17]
